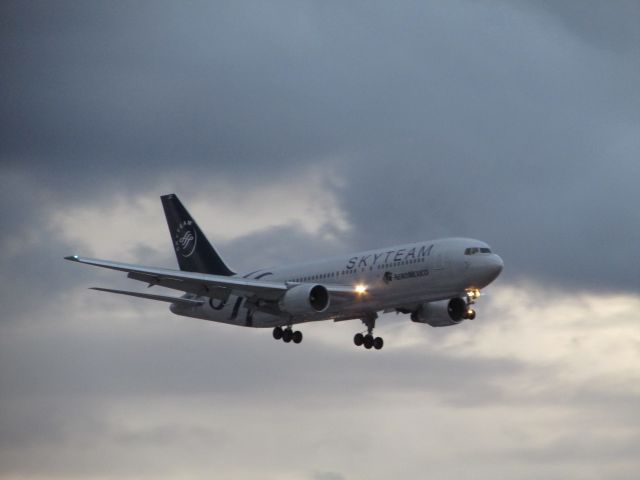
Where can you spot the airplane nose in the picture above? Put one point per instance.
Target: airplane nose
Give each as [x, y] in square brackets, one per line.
[497, 265]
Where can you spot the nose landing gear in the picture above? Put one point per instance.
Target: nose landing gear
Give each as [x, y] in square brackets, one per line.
[368, 340]
[472, 295]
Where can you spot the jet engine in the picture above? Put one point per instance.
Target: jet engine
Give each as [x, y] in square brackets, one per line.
[305, 299]
[442, 313]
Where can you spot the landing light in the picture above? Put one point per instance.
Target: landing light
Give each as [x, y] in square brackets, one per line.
[473, 293]
[360, 289]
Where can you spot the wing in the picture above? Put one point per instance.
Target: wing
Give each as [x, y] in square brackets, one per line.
[203, 284]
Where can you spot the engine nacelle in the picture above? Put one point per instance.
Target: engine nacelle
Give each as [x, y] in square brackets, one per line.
[305, 299]
[442, 313]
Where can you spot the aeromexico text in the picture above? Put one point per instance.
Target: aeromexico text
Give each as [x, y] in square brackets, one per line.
[390, 256]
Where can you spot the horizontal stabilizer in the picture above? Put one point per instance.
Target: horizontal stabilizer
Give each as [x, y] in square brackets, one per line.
[149, 296]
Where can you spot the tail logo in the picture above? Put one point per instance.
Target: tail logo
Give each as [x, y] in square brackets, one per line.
[185, 238]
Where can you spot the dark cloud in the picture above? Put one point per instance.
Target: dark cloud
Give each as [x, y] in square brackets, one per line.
[609, 28]
[31, 249]
[486, 121]
[93, 93]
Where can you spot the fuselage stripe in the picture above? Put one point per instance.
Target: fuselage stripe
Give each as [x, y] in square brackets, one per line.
[236, 307]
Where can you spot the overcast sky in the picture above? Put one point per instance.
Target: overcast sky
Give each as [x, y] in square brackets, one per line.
[293, 130]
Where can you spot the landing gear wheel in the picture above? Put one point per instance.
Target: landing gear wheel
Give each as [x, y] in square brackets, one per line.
[358, 339]
[277, 333]
[297, 336]
[287, 335]
[378, 343]
[471, 314]
[368, 341]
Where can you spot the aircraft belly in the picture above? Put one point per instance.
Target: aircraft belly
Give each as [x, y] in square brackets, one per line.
[396, 293]
[232, 312]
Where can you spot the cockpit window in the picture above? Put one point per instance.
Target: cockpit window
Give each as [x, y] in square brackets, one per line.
[474, 250]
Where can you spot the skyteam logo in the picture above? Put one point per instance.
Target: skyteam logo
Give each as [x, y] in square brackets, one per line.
[185, 238]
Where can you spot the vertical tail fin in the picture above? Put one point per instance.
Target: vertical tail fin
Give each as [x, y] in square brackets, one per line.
[193, 250]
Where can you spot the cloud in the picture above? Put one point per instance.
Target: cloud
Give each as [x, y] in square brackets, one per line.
[487, 121]
[328, 476]
[120, 225]
[296, 130]
[609, 28]
[150, 385]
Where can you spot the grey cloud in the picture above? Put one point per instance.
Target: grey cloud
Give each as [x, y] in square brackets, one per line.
[63, 380]
[610, 28]
[328, 476]
[557, 231]
[278, 246]
[217, 98]
[171, 433]
[31, 268]
[82, 443]
[477, 120]
[540, 165]
[185, 358]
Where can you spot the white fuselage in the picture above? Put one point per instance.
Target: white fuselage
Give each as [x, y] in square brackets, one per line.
[400, 277]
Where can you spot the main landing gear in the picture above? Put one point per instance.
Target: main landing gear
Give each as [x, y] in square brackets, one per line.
[287, 335]
[368, 340]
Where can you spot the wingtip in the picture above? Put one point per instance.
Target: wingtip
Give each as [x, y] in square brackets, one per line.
[73, 258]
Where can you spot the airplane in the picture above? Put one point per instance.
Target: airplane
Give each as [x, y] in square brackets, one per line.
[435, 282]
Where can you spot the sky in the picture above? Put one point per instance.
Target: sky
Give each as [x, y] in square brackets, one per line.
[293, 130]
